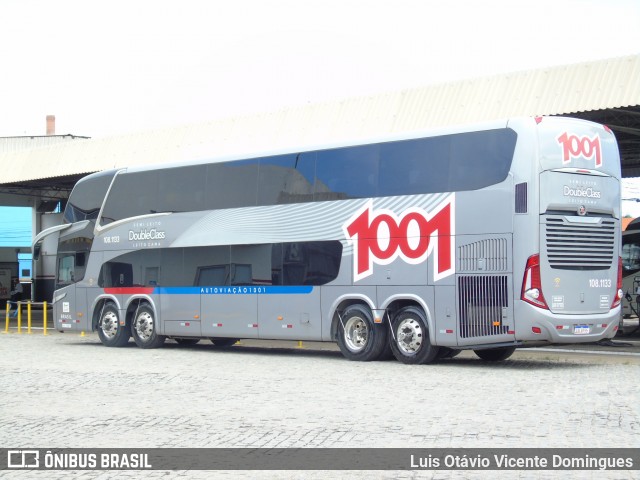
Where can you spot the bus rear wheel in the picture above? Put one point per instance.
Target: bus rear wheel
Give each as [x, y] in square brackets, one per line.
[495, 354]
[359, 338]
[145, 329]
[411, 344]
[111, 333]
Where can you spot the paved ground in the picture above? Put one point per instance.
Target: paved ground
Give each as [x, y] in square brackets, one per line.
[65, 390]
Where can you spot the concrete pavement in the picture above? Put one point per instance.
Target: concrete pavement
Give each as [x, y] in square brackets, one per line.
[65, 390]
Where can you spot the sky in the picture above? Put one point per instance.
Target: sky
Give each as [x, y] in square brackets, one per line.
[114, 67]
[105, 68]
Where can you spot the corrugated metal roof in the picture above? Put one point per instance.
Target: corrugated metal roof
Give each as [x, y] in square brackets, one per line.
[564, 89]
[15, 144]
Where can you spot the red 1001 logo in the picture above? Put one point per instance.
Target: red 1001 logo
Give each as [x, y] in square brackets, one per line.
[576, 147]
[380, 236]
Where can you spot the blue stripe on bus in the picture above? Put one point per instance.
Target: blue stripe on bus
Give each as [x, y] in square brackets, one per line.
[237, 290]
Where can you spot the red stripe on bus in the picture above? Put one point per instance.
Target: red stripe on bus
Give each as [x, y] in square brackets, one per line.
[129, 290]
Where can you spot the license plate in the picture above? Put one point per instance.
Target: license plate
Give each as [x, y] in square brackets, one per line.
[581, 329]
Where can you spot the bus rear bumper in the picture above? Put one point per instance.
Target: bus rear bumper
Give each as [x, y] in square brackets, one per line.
[544, 326]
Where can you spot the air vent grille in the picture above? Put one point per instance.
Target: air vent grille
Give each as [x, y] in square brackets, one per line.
[482, 303]
[580, 246]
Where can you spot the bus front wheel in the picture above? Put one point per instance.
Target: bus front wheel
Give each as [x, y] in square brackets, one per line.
[111, 333]
[144, 329]
[410, 343]
[359, 338]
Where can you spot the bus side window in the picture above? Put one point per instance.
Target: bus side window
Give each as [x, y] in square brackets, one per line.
[122, 204]
[631, 257]
[480, 159]
[347, 173]
[232, 184]
[286, 179]
[241, 274]
[212, 275]
[425, 166]
[116, 274]
[182, 189]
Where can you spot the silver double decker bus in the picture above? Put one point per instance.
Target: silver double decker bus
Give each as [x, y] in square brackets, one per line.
[489, 237]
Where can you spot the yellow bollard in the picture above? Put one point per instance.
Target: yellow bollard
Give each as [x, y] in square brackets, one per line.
[44, 317]
[29, 318]
[6, 325]
[19, 318]
[82, 333]
[300, 344]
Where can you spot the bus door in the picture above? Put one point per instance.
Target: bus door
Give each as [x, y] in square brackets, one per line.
[72, 257]
[67, 304]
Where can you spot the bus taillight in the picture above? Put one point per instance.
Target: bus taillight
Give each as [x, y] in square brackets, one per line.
[531, 283]
[619, 293]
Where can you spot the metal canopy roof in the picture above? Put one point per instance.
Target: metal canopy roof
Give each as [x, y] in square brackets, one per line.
[625, 122]
[605, 91]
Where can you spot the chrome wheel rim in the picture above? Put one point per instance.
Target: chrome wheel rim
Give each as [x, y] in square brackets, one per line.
[144, 326]
[356, 333]
[409, 336]
[109, 324]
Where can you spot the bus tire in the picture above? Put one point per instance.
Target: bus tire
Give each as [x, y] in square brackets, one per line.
[495, 354]
[410, 342]
[387, 353]
[359, 338]
[111, 333]
[144, 328]
[223, 342]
